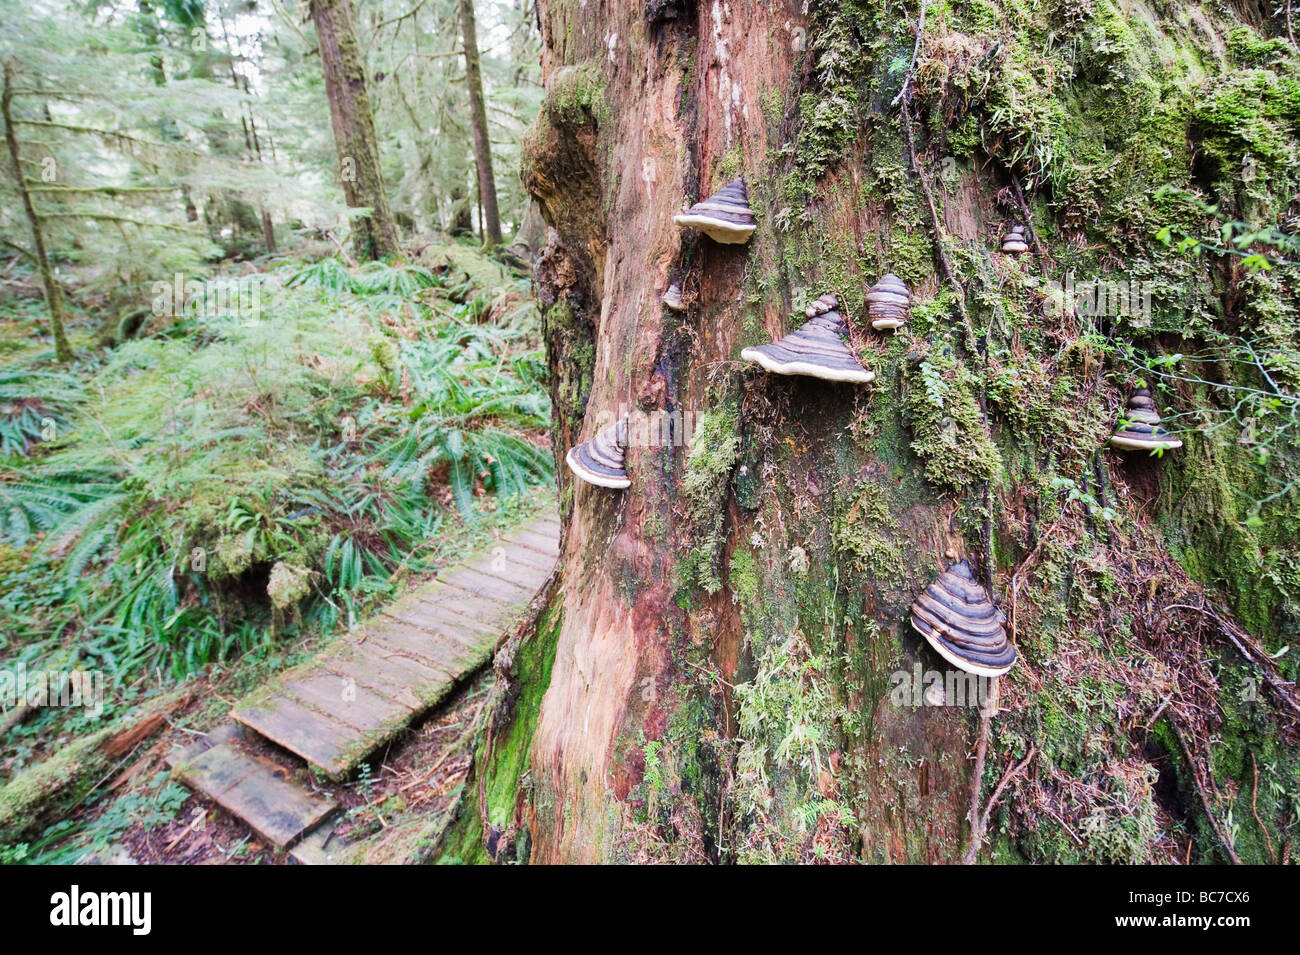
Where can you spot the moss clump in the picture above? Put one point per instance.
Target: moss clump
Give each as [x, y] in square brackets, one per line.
[949, 432]
[64, 777]
[715, 447]
[857, 531]
[788, 718]
[742, 578]
[911, 254]
[575, 340]
[235, 552]
[287, 585]
[576, 93]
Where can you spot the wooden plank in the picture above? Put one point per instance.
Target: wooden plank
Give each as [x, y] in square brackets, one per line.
[373, 672]
[316, 848]
[514, 559]
[380, 668]
[492, 588]
[442, 654]
[347, 701]
[256, 790]
[437, 624]
[460, 609]
[223, 733]
[546, 526]
[549, 546]
[527, 576]
[448, 625]
[301, 730]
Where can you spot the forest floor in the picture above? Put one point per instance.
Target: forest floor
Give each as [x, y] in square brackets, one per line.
[206, 497]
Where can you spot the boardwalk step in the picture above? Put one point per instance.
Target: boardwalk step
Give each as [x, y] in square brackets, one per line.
[336, 709]
[256, 789]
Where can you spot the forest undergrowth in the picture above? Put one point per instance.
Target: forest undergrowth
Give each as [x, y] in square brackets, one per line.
[222, 485]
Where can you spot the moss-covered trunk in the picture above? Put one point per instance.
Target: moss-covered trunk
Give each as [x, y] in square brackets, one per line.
[726, 671]
[487, 184]
[53, 295]
[374, 235]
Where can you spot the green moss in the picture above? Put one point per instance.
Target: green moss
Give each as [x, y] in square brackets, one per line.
[742, 579]
[503, 768]
[788, 717]
[949, 433]
[715, 447]
[61, 779]
[575, 340]
[861, 531]
[576, 93]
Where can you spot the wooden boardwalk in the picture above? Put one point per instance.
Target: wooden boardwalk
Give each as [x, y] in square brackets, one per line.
[336, 709]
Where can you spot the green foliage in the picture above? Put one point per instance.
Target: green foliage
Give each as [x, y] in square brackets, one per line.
[74, 841]
[715, 448]
[238, 478]
[948, 429]
[34, 406]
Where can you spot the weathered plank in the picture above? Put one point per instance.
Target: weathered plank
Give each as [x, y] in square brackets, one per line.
[543, 544]
[516, 561]
[489, 587]
[335, 709]
[257, 790]
[303, 731]
[348, 702]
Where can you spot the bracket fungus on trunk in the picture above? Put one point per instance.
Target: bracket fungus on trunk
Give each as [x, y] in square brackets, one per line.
[724, 217]
[819, 348]
[957, 618]
[672, 298]
[888, 303]
[600, 461]
[1138, 428]
[1014, 242]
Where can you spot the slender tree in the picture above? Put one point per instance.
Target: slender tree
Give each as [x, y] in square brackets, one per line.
[487, 187]
[375, 235]
[53, 298]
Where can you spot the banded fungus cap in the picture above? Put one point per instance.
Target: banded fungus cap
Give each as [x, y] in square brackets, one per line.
[1014, 242]
[672, 298]
[818, 349]
[724, 217]
[1139, 427]
[958, 619]
[889, 302]
[600, 460]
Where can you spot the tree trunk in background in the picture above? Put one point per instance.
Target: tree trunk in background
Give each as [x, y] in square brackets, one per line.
[487, 186]
[354, 128]
[725, 670]
[53, 297]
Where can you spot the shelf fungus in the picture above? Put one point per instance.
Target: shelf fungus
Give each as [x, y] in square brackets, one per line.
[888, 303]
[959, 620]
[1139, 427]
[672, 298]
[724, 217]
[819, 348]
[600, 460]
[1014, 242]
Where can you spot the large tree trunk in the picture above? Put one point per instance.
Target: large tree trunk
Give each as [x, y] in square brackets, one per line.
[375, 236]
[53, 295]
[724, 669]
[487, 185]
